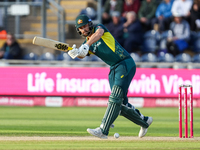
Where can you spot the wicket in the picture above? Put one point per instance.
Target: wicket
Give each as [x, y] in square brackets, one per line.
[185, 110]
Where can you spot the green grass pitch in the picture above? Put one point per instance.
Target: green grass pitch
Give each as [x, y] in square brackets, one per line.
[65, 128]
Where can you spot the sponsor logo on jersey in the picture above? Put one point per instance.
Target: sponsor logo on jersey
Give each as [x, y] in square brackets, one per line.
[95, 47]
[99, 27]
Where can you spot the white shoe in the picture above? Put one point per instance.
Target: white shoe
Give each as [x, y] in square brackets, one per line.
[143, 130]
[97, 132]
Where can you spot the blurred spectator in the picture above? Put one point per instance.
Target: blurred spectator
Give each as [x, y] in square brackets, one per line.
[133, 32]
[183, 7]
[178, 41]
[102, 2]
[10, 49]
[131, 5]
[163, 15]
[116, 27]
[195, 16]
[109, 7]
[147, 12]
[90, 12]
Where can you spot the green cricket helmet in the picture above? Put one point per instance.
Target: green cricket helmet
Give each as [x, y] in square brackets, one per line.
[82, 20]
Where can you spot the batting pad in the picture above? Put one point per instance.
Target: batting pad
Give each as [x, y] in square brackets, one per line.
[133, 116]
[113, 109]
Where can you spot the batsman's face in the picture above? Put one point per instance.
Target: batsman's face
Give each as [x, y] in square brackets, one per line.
[85, 30]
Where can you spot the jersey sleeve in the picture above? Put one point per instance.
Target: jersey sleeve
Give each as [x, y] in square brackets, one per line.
[99, 26]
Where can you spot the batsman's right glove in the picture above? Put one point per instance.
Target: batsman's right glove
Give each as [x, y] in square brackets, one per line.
[74, 52]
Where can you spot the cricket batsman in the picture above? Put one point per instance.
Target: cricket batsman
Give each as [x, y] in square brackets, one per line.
[100, 42]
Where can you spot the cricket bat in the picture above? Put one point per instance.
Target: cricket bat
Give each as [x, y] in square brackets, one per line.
[51, 44]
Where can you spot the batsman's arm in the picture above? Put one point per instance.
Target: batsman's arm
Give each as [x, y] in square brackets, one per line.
[95, 37]
[83, 50]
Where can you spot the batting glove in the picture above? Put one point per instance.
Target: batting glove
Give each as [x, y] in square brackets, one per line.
[74, 52]
[83, 50]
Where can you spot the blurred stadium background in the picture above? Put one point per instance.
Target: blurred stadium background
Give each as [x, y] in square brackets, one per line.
[45, 77]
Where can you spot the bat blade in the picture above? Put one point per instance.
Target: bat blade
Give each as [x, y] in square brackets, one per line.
[51, 44]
